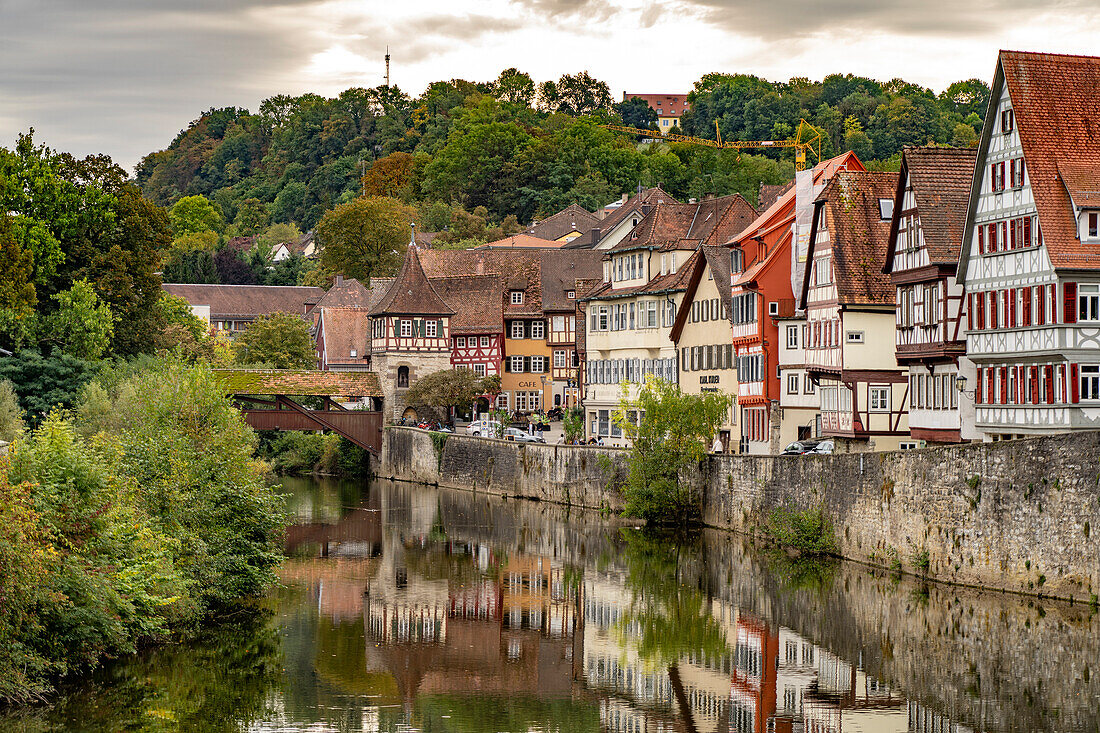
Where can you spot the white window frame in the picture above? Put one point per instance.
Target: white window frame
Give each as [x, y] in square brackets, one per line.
[479, 370]
[792, 383]
[517, 297]
[792, 336]
[518, 333]
[561, 359]
[1088, 302]
[854, 337]
[430, 328]
[878, 398]
[538, 329]
[406, 328]
[808, 386]
[538, 364]
[516, 360]
[460, 342]
[484, 342]
[1089, 382]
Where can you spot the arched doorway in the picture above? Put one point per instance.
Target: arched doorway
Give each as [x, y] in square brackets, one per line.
[402, 376]
[409, 415]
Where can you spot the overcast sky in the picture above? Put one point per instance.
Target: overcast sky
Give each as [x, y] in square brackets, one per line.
[124, 76]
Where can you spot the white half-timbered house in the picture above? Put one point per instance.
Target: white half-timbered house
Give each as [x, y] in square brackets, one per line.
[925, 236]
[410, 333]
[1031, 260]
[849, 305]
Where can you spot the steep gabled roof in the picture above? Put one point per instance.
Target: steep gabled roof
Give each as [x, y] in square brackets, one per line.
[670, 282]
[410, 293]
[686, 226]
[940, 178]
[517, 268]
[634, 204]
[770, 193]
[573, 218]
[858, 234]
[718, 260]
[350, 293]
[521, 241]
[1057, 116]
[345, 330]
[246, 301]
[477, 300]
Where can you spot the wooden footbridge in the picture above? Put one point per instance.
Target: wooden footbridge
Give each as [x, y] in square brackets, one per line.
[283, 399]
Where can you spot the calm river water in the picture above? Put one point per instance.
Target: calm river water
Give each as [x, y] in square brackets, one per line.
[413, 609]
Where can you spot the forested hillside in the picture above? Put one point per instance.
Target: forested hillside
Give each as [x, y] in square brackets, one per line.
[527, 150]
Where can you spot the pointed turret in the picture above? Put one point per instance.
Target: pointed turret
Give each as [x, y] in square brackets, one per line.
[411, 293]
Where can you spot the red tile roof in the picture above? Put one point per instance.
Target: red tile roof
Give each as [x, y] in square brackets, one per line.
[246, 301]
[477, 300]
[564, 270]
[859, 236]
[521, 241]
[519, 269]
[411, 293]
[343, 330]
[649, 197]
[686, 226]
[940, 178]
[573, 218]
[1057, 112]
[666, 105]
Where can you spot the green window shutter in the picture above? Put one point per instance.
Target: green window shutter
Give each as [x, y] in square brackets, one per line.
[527, 364]
[440, 330]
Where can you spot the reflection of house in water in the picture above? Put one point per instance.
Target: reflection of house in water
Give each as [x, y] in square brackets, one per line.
[752, 685]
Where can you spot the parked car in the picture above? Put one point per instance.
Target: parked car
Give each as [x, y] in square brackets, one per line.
[799, 447]
[521, 437]
[824, 448]
[487, 428]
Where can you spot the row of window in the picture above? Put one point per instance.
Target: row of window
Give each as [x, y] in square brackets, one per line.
[1034, 305]
[526, 364]
[1037, 385]
[909, 234]
[933, 391]
[793, 380]
[632, 316]
[602, 423]
[520, 401]
[1015, 175]
[927, 313]
[1003, 236]
[706, 310]
[410, 327]
[527, 330]
[628, 267]
[614, 371]
[750, 368]
[839, 398]
[461, 342]
[743, 308]
[756, 424]
[704, 358]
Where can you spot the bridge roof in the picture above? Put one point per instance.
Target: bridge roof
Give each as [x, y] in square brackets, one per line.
[299, 382]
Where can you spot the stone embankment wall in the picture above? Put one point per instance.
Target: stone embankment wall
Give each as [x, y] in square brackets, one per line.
[567, 474]
[1016, 515]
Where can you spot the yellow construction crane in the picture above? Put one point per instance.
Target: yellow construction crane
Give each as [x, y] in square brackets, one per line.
[806, 139]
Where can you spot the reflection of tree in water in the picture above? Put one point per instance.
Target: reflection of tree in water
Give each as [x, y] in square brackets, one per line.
[217, 681]
[668, 619]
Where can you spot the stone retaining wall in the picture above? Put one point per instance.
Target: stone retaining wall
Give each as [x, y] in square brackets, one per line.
[1017, 515]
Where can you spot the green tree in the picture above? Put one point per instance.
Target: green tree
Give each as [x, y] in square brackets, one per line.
[82, 325]
[669, 433]
[45, 382]
[515, 87]
[17, 294]
[192, 214]
[636, 112]
[580, 94]
[277, 341]
[11, 417]
[963, 136]
[251, 218]
[365, 237]
[191, 266]
[451, 388]
[277, 234]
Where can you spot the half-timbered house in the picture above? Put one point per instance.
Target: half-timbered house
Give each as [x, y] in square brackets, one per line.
[766, 259]
[477, 326]
[925, 236]
[565, 273]
[1031, 259]
[849, 305]
[410, 333]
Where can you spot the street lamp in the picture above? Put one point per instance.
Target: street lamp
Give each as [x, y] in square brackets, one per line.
[960, 385]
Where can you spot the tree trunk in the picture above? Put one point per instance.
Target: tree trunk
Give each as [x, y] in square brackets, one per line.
[681, 698]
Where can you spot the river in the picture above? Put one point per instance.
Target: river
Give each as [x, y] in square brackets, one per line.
[407, 608]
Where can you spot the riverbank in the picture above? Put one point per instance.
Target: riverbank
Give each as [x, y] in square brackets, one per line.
[1013, 515]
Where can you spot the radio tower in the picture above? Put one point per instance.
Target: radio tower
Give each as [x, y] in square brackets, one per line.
[387, 67]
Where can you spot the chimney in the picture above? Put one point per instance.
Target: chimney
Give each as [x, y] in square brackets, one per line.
[624, 198]
[339, 281]
[646, 209]
[595, 236]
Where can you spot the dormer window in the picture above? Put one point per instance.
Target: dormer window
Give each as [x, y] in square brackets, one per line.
[517, 297]
[885, 209]
[737, 260]
[1090, 226]
[354, 353]
[571, 294]
[1007, 121]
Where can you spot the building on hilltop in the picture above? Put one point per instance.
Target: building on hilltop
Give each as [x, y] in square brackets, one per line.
[668, 107]
[925, 236]
[1030, 263]
[850, 322]
[410, 333]
[766, 261]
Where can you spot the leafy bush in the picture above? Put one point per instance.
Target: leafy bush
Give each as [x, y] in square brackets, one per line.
[11, 417]
[806, 532]
[43, 383]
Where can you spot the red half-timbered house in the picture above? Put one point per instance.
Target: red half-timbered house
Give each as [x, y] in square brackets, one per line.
[765, 269]
[477, 326]
[849, 303]
[925, 236]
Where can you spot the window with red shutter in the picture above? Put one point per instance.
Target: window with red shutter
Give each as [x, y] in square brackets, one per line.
[994, 319]
[1033, 383]
[1010, 296]
[981, 239]
[1027, 231]
[1012, 234]
[1062, 381]
[1004, 385]
[1025, 318]
[1074, 386]
[980, 297]
[970, 311]
[1048, 373]
[1040, 305]
[1012, 171]
[1004, 236]
[1069, 303]
[978, 389]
